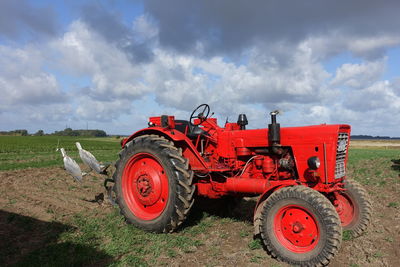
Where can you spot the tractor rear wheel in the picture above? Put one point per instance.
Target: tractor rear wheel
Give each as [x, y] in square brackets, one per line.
[300, 226]
[153, 184]
[354, 208]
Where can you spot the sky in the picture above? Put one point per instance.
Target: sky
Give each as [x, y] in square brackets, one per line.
[112, 64]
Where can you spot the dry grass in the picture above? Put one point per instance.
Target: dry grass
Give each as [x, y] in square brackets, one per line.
[384, 144]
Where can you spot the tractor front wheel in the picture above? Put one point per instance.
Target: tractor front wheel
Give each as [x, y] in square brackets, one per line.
[153, 184]
[300, 226]
[353, 207]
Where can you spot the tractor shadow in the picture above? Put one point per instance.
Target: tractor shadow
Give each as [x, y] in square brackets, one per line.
[241, 211]
[244, 211]
[396, 164]
[26, 241]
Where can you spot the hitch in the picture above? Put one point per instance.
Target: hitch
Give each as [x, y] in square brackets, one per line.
[110, 190]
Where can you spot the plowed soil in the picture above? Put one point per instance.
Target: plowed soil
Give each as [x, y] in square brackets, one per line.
[49, 196]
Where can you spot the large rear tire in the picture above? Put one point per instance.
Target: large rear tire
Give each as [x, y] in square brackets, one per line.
[153, 184]
[354, 208]
[300, 226]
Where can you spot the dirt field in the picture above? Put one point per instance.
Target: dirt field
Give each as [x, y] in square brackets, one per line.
[37, 207]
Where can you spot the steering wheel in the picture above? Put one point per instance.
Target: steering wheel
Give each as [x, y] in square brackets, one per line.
[202, 115]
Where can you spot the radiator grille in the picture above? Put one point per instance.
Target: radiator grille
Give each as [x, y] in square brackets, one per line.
[341, 151]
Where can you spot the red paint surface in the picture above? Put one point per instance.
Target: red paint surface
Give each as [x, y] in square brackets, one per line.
[224, 164]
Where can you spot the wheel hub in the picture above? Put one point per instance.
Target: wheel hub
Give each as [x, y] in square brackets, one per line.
[296, 229]
[144, 186]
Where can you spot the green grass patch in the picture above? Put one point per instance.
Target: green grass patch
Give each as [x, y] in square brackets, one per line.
[20, 152]
[377, 254]
[346, 236]
[257, 258]
[373, 166]
[255, 244]
[108, 239]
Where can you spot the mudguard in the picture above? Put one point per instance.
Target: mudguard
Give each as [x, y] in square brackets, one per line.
[181, 140]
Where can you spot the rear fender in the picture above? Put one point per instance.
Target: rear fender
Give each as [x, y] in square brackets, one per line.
[181, 141]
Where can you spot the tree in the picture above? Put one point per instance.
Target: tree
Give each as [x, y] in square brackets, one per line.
[39, 133]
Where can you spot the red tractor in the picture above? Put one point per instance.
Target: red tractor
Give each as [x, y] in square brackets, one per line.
[299, 174]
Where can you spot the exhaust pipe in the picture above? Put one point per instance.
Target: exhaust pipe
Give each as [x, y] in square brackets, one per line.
[274, 133]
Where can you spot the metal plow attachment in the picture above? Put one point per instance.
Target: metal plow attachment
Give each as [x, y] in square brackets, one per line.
[89, 160]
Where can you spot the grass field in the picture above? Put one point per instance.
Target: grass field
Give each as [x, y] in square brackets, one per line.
[17, 152]
[49, 220]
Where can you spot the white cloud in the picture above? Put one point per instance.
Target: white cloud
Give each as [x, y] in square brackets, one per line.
[144, 29]
[380, 95]
[22, 79]
[374, 46]
[335, 42]
[85, 53]
[105, 111]
[359, 75]
[183, 80]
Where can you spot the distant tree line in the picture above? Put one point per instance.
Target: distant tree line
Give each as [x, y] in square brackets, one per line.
[70, 132]
[65, 132]
[15, 132]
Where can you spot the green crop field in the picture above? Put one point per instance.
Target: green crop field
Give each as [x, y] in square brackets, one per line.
[99, 236]
[19, 152]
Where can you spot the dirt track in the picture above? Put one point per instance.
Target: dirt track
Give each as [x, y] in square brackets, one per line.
[50, 196]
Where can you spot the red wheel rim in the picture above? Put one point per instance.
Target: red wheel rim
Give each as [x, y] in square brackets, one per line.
[145, 186]
[296, 229]
[345, 209]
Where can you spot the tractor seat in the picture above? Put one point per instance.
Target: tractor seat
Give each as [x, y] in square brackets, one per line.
[191, 131]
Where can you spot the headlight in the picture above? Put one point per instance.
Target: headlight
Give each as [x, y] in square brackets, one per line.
[314, 163]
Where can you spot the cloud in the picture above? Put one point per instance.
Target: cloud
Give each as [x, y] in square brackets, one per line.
[105, 111]
[239, 57]
[359, 75]
[82, 52]
[22, 80]
[50, 117]
[108, 24]
[231, 27]
[298, 84]
[370, 48]
[21, 18]
[184, 80]
[380, 95]
[144, 29]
